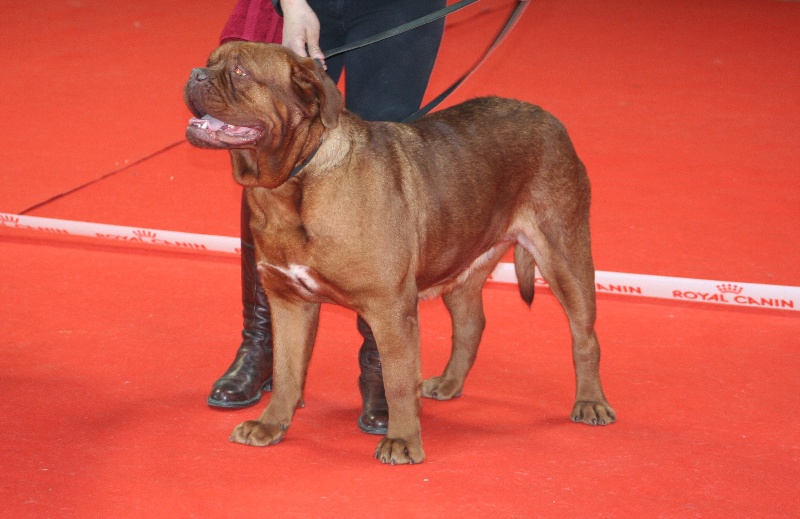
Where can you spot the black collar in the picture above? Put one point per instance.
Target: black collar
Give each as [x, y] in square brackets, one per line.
[297, 169]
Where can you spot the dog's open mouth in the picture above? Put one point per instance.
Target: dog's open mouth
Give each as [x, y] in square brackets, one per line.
[215, 133]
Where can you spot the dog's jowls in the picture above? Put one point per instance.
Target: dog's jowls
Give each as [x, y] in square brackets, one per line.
[383, 214]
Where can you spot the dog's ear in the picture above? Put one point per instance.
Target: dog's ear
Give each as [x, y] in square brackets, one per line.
[312, 85]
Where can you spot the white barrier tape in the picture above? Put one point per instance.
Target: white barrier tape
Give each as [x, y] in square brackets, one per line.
[749, 295]
[118, 233]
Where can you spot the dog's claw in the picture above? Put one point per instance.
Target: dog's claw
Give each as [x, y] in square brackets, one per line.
[398, 452]
[593, 413]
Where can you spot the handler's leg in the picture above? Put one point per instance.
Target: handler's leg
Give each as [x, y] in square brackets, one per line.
[251, 371]
[374, 417]
[386, 81]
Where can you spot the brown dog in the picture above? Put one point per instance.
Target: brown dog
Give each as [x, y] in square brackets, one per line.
[374, 216]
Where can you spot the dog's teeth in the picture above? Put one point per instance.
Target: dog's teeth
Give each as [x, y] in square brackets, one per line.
[204, 125]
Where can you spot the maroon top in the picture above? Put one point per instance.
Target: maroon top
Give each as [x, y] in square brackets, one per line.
[253, 20]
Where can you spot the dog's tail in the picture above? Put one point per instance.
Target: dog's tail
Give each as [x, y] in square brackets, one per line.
[525, 267]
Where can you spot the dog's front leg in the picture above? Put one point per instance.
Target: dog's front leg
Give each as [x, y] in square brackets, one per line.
[294, 328]
[396, 332]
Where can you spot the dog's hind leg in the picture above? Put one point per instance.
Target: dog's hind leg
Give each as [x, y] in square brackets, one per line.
[465, 304]
[563, 253]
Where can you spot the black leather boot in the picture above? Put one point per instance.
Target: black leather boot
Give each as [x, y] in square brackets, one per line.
[251, 371]
[374, 417]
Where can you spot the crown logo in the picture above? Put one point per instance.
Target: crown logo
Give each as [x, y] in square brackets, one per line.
[729, 288]
[144, 234]
[9, 219]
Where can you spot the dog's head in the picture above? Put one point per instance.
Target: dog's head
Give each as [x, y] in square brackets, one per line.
[262, 97]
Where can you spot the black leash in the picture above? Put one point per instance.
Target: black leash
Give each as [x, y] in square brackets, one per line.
[504, 31]
[428, 18]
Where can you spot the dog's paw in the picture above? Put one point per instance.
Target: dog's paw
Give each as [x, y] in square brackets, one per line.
[593, 413]
[257, 434]
[441, 388]
[397, 452]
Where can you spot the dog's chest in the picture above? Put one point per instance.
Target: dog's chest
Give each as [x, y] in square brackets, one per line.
[286, 251]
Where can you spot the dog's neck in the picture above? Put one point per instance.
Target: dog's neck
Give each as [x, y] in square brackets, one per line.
[334, 146]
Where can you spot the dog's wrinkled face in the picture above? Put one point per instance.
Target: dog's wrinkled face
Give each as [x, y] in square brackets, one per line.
[263, 97]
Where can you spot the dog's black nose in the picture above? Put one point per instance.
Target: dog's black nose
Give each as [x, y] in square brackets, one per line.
[199, 74]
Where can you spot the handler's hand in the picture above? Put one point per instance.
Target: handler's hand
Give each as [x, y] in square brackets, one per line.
[301, 29]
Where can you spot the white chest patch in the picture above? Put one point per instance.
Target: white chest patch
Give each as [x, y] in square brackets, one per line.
[299, 277]
[301, 274]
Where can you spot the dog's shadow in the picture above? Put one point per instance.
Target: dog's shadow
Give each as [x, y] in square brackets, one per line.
[469, 416]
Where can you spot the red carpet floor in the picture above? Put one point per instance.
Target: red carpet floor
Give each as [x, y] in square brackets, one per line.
[686, 114]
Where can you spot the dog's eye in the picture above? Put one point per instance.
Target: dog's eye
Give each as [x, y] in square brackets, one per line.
[239, 71]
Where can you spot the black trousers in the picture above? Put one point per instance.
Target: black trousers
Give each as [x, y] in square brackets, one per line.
[385, 81]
